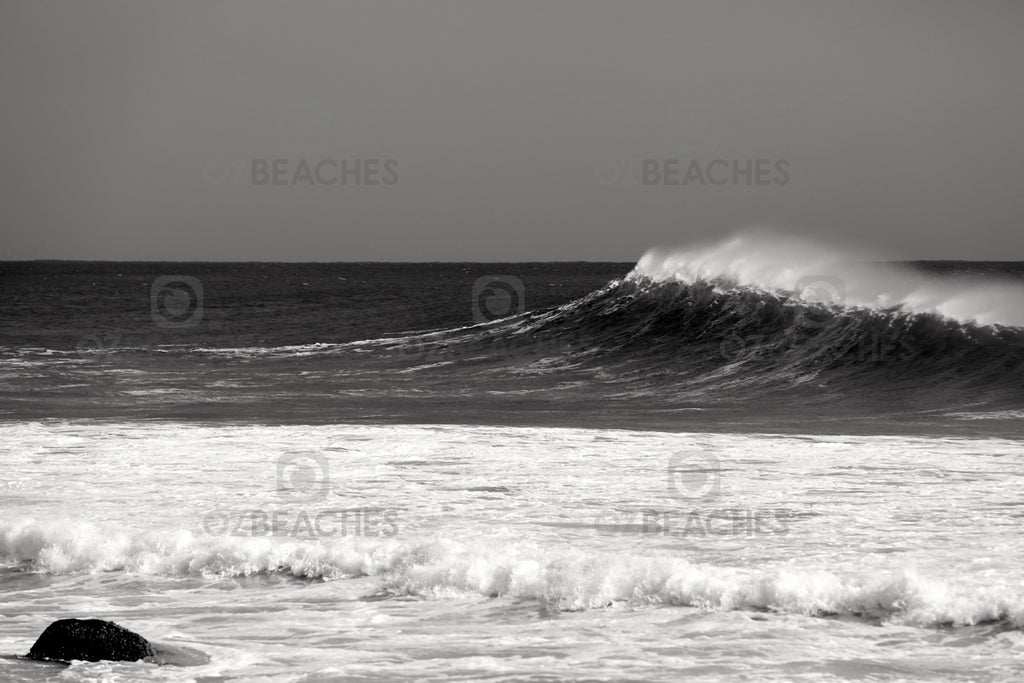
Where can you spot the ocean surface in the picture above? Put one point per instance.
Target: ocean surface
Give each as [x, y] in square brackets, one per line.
[758, 460]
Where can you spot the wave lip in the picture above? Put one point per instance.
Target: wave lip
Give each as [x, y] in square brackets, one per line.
[442, 568]
[798, 267]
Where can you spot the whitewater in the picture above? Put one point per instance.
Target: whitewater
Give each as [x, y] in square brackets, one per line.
[763, 459]
[520, 545]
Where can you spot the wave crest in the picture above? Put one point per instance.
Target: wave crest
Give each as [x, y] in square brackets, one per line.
[442, 568]
[798, 267]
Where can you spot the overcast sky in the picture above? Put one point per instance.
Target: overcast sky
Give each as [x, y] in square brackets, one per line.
[506, 131]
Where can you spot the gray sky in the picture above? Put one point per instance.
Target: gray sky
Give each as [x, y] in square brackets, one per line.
[518, 129]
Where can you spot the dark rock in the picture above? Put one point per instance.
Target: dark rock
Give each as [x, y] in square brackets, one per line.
[91, 640]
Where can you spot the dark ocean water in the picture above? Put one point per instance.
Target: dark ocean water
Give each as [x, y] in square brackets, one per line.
[561, 344]
[64, 305]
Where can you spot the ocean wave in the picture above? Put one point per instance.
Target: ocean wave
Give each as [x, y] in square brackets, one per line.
[568, 579]
[796, 267]
[739, 321]
[758, 318]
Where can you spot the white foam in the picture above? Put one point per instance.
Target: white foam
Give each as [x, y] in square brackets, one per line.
[783, 264]
[440, 568]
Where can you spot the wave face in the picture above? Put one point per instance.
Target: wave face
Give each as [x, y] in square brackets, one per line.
[566, 579]
[686, 338]
[759, 318]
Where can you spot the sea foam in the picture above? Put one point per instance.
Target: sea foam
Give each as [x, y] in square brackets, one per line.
[776, 263]
[569, 579]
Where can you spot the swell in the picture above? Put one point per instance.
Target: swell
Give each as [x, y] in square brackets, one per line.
[675, 340]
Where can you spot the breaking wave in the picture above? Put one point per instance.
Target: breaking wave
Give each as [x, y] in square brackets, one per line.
[760, 319]
[566, 579]
[759, 316]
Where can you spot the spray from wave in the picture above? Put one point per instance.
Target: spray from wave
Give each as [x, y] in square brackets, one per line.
[816, 273]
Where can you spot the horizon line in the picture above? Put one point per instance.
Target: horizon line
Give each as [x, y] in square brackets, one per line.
[632, 261]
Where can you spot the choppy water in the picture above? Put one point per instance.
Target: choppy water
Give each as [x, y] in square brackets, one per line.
[417, 552]
[693, 471]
